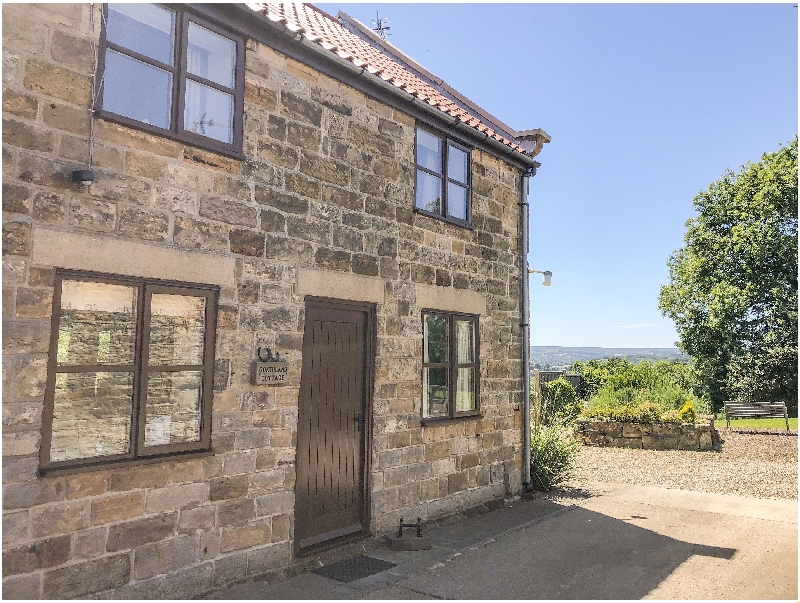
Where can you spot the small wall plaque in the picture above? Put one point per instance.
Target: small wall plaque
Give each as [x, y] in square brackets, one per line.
[270, 373]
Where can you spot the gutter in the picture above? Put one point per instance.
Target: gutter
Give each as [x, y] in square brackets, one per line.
[468, 131]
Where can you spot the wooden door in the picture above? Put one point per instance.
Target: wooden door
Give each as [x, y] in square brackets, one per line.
[332, 432]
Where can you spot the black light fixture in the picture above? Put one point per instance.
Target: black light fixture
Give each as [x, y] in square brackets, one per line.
[84, 177]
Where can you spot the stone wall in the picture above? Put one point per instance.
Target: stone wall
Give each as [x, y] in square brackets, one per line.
[665, 436]
[327, 185]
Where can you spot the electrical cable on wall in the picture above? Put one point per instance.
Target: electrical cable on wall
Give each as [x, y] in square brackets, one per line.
[86, 177]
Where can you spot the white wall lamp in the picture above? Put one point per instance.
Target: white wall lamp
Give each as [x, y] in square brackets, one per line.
[547, 275]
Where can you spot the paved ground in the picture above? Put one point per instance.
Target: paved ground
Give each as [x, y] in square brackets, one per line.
[597, 541]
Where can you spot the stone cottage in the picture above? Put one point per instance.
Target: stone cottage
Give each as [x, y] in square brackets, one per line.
[262, 294]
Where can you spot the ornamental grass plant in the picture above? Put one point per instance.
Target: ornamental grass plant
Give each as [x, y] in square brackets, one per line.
[554, 450]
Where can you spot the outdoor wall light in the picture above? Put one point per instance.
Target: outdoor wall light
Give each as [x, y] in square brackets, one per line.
[84, 177]
[547, 276]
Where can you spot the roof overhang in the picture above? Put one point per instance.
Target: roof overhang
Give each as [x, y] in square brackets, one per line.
[292, 42]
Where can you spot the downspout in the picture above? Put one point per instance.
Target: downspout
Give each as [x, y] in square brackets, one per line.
[524, 315]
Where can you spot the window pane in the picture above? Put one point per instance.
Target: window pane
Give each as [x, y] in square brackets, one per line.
[429, 192]
[137, 90]
[435, 338]
[173, 408]
[211, 56]
[456, 201]
[144, 28]
[429, 151]
[208, 112]
[465, 390]
[465, 341]
[91, 415]
[435, 391]
[97, 323]
[456, 164]
[177, 326]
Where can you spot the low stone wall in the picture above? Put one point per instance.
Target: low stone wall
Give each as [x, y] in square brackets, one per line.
[665, 436]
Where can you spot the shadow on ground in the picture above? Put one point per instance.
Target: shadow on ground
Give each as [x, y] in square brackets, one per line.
[576, 554]
[532, 550]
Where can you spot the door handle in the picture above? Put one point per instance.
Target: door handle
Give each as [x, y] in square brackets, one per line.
[360, 420]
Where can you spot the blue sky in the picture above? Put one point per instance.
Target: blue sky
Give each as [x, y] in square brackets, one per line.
[647, 104]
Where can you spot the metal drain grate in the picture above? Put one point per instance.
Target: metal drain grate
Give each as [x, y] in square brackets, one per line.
[354, 568]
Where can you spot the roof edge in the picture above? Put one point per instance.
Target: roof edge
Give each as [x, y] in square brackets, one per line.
[518, 157]
[403, 57]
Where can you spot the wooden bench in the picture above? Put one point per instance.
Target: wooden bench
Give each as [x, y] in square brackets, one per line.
[752, 410]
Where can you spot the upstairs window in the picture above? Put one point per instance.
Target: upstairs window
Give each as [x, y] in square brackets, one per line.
[131, 370]
[166, 71]
[449, 365]
[443, 178]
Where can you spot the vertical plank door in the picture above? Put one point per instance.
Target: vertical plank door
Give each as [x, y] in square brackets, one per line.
[331, 427]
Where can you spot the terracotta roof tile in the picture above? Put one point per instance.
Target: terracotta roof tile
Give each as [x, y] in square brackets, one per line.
[324, 30]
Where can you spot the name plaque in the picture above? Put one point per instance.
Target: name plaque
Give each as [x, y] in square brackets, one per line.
[270, 373]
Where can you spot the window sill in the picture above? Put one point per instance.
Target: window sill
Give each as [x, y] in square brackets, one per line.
[431, 421]
[108, 465]
[441, 218]
[196, 141]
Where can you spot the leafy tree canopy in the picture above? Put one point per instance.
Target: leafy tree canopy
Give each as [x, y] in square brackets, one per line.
[733, 286]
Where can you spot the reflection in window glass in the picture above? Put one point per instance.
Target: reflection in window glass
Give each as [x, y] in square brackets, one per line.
[97, 323]
[208, 112]
[429, 192]
[173, 408]
[137, 90]
[91, 415]
[456, 164]
[465, 341]
[435, 338]
[456, 201]
[177, 326]
[211, 56]
[429, 151]
[465, 389]
[144, 28]
[435, 391]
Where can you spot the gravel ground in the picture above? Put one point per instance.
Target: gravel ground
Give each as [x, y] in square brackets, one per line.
[760, 466]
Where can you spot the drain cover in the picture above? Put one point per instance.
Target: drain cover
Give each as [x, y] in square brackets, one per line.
[354, 568]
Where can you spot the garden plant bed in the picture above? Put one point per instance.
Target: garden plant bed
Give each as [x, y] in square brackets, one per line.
[657, 436]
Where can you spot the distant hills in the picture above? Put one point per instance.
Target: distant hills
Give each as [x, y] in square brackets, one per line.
[557, 357]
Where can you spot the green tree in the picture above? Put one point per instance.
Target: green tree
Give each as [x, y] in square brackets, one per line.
[733, 286]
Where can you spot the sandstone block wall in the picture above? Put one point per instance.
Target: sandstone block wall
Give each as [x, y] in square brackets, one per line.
[668, 436]
[327, 184]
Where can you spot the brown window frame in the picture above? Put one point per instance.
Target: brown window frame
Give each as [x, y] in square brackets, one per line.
[180, 74]
[447, 142]
[140, 368]
[453, 366]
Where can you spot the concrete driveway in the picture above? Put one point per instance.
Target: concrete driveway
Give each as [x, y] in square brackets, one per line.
[604, 541]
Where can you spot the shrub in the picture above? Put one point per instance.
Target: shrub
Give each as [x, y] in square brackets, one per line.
[687, 413]
[559, 403]
[598, 411]
[619, 373]
[647, 412]
[554, 450]
[621, 400]
[671, 416]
